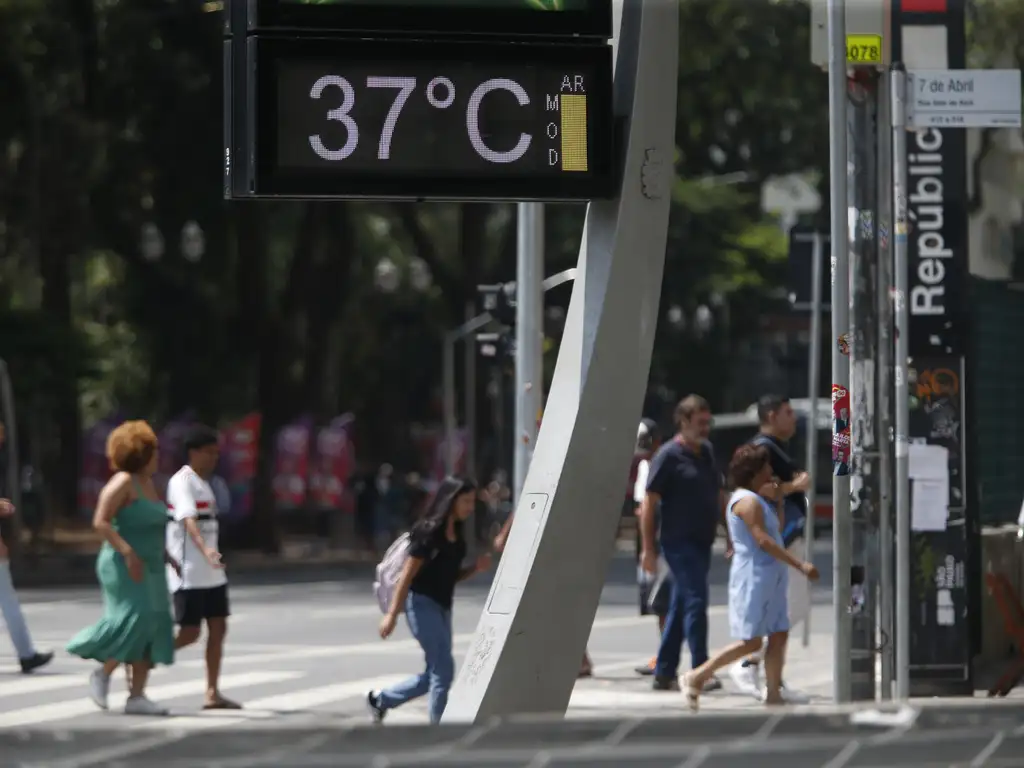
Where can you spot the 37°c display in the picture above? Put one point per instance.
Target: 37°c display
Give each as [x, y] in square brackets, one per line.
[385, 119]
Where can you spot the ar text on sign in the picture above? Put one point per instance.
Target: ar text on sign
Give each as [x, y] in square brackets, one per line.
[571, 105]
[864, 49]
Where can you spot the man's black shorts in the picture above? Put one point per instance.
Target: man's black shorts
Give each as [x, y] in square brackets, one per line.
[193, 606]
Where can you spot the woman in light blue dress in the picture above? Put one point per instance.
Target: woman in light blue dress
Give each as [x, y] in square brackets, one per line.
[758, 575]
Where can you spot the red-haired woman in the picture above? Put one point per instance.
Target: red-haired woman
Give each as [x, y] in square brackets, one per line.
[136, 628]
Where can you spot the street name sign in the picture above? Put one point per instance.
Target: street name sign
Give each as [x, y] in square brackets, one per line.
[964, 98]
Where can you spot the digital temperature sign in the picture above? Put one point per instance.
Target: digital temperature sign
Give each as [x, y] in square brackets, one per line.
[409, 119]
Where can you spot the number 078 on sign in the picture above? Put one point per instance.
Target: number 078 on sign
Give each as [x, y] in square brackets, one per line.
[864, 49]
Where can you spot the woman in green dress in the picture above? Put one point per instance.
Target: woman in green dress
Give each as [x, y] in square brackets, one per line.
[137, 628]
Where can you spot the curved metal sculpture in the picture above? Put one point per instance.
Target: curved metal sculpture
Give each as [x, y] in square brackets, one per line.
[535, 625]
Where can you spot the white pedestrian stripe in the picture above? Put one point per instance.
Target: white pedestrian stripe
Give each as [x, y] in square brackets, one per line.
[40, 684]
[296, 701]
[65, 710]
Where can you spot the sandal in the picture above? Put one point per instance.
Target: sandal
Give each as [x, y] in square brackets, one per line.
[691, 692]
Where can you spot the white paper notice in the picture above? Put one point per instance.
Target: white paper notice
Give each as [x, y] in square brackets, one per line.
[929, 505]
[929, 475]
[928, 462]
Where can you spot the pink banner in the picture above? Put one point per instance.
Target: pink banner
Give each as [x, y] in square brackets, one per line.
[333, 461]
[291, 465]
[239, 447]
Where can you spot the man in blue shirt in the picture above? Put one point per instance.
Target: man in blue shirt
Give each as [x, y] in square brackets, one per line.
[685, 479]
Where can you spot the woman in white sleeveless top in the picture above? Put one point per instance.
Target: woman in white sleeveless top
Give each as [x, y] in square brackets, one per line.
[758, 575]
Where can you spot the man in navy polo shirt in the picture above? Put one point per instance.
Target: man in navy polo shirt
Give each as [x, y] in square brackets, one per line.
[684, 477]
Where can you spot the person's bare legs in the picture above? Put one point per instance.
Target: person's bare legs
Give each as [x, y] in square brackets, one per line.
[586, 668]
[696, 679]
[186, 636]
[774, 660]
[139, 677]
[216, 631]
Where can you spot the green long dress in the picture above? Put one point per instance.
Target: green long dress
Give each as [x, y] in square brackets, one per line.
[136, 624]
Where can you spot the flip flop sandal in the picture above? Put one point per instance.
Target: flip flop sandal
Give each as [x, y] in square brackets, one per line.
[692, 693]
[222, 704]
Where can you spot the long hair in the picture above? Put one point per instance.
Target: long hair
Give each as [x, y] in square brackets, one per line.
[440, 506]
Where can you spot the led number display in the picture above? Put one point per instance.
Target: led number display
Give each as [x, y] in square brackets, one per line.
[412, 120]
[577, 18]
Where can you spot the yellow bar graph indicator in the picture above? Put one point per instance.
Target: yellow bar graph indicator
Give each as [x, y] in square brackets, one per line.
[574, 132]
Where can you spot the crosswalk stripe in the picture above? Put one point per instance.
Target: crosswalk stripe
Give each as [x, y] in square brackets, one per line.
[63, 710]
[296, 701]
[40, 684]
[344, 612]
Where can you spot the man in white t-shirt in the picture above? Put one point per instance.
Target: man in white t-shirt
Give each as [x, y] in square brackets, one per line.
[201, 591]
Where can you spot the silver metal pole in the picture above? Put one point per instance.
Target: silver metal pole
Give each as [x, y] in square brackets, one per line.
[863, 435]
[841, 529]
[529, 335]
[900, 392]
[883, 292]
[470, 395]
[448, 398]
[813, 371]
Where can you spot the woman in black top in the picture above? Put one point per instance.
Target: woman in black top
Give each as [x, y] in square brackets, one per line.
[424, 591]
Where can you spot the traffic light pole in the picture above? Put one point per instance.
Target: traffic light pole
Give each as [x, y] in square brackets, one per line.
[840, 301]
[863, 334]
[883, 410]
[529, 336]
[901, 392]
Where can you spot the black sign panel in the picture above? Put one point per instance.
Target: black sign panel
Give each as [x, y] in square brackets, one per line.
[549, 18]
[801, 269]
[412, 119]
[936, 414]
[940, 645]
[937, 207]
[940, 654]
[940, 650]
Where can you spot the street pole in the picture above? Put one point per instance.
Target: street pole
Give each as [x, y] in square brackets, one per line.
[448, 401]
[900, 393]
[469, 396]
[529, 335]
[813, 370]
[863, 337]
[883, 390]
[840, 364]
[13, 479]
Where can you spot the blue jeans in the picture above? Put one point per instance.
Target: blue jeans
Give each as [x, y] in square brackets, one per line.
[13, 618]
[431, 625]
[688, 610]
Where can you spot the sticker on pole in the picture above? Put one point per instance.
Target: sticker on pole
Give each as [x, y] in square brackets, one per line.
[844, 344]
[864, 49]
[840, 430]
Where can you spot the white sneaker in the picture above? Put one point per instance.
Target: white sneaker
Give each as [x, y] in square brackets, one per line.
[99, 688]
[745, 678]
[140, 705]
[789, 696]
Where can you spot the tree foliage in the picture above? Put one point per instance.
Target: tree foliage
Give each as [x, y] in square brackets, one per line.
[112, 129]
